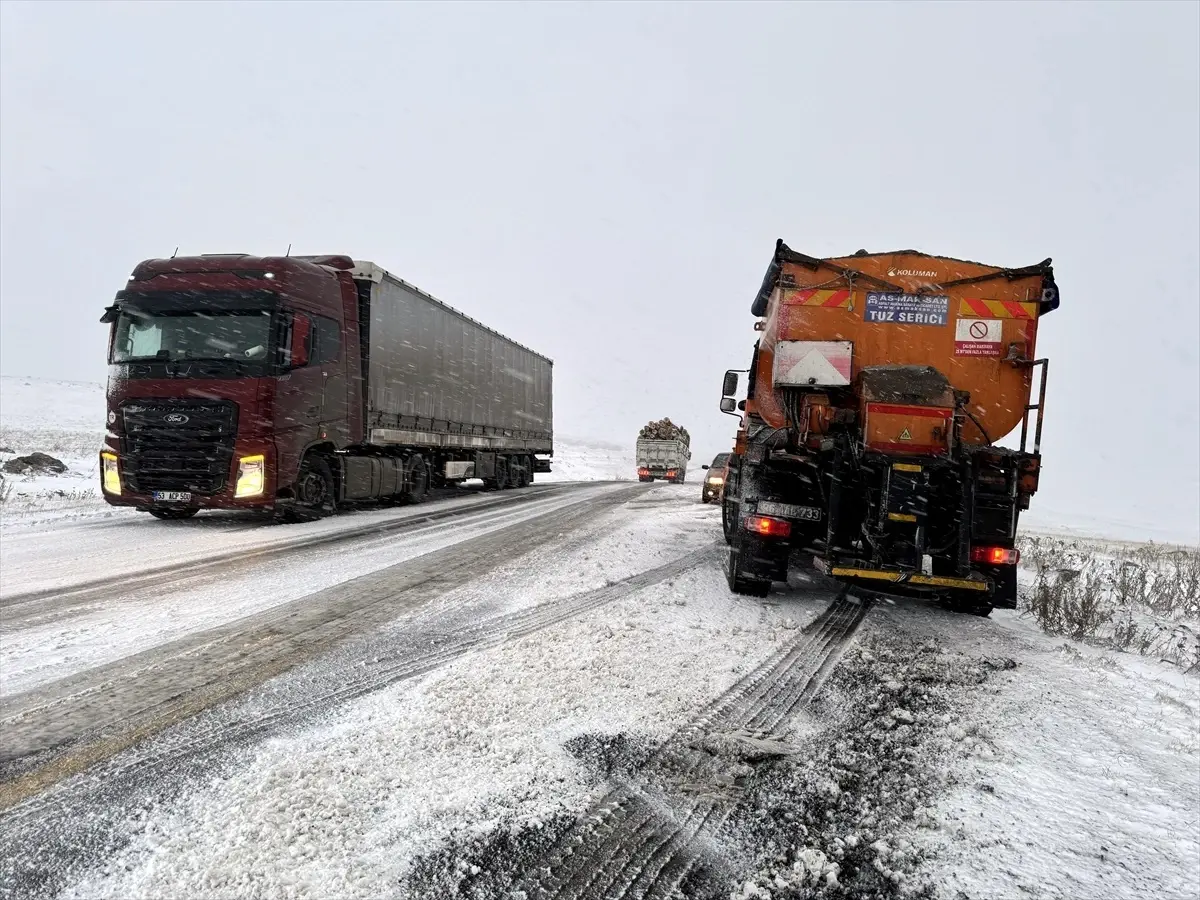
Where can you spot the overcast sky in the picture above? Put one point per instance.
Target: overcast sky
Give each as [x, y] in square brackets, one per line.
[605, 183]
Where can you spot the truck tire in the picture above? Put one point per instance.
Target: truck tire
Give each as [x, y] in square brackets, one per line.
[516, 473]
[739, 581]
[500, 481]
[416, 481]
[315, 496]
[728, 519]
[173, 515]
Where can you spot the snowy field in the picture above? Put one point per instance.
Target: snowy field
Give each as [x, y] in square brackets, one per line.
[553, 692]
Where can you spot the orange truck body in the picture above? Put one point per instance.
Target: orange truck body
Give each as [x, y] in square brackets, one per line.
[987, 321]
[878, 390]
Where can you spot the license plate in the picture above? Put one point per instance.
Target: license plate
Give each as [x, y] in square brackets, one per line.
[172, 497]
[788, 511]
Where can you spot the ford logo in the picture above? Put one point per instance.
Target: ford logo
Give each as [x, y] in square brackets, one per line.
[175, 418]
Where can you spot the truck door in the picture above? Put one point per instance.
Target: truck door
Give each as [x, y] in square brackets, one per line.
[328, 355]
[310, 403]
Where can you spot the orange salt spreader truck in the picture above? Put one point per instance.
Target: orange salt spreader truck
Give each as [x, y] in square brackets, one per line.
[877, 392]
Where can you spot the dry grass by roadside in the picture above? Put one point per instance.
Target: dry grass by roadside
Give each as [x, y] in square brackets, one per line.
[1141, 598]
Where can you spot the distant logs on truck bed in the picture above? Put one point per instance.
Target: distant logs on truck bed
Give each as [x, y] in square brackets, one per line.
[664, 430]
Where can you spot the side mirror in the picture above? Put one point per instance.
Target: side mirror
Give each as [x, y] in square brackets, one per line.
[704, 466]
[301, 325]
[729, 385]
[728, 404]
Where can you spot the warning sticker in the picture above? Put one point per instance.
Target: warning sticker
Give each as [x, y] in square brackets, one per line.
[907, 309]
[978, 337]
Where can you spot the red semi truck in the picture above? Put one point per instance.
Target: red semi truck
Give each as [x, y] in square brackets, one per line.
[292, 384]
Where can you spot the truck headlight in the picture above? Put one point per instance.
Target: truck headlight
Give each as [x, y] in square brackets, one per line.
[252, 476]
[111, 474]
[716, 480]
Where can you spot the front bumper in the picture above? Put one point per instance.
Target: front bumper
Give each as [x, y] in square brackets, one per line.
[226, 498]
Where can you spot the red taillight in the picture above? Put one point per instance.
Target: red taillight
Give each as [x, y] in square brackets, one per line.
[670, 473]
[643, 471]
[768, 526]
[995, 556]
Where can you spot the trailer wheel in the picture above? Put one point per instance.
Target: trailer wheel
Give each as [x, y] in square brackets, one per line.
[173, 515]
[516, 473]
[416, 482]
[500, 481]
[315, 496]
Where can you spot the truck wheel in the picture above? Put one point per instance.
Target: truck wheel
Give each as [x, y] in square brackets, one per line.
[728, 519]
[315, 497]
[516, 473]
[501, 480]
[739, 581]
[171, 515]
[417, 482]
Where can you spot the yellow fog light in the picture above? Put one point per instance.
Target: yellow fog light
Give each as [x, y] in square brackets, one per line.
[111, 474]
[252, 474]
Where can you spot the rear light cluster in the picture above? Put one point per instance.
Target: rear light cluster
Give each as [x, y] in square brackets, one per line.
[643, 472]
[995, 556]
[769, 526]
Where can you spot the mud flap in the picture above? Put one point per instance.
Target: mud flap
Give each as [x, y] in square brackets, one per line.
[1005, 580]
[754, 563]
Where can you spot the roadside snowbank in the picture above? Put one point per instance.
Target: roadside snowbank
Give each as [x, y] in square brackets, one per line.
[1144, 598]
[1088, 787]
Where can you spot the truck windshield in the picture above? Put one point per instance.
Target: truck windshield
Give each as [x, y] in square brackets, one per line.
[235, 335]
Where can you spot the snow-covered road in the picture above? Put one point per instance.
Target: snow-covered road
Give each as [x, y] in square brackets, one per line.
[554, 692]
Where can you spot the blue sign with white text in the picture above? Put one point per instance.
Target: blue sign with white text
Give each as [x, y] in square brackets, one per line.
[907, 309]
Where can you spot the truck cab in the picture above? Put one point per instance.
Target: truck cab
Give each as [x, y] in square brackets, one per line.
[224, 371]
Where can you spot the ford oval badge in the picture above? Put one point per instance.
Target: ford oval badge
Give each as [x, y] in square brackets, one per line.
[176, 418]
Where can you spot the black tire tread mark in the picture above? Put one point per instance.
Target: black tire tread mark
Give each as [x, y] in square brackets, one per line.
[641, 844]
[124, 708]
[102, 588]
[482, 636]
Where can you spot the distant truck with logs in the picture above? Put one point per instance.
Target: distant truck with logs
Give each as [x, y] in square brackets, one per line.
[295, 384]
[663, 450]
[877, 394]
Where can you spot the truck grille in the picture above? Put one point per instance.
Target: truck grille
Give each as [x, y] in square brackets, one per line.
[178, 445]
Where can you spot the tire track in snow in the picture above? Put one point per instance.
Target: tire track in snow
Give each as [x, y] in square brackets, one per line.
[62, 827]
[642, 837]
[37, 605]
[76, 722]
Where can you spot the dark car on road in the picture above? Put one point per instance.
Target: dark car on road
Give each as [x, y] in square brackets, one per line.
[714, 482]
